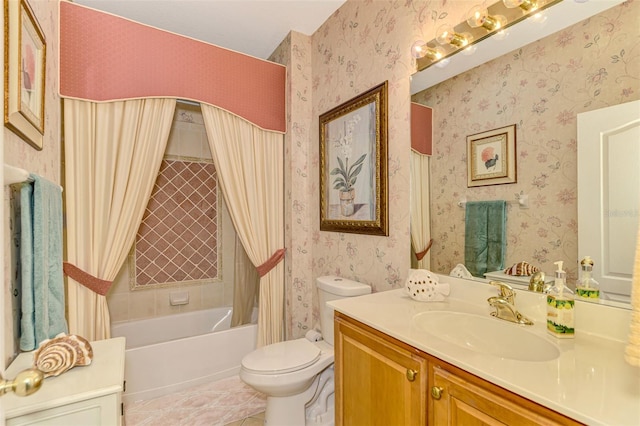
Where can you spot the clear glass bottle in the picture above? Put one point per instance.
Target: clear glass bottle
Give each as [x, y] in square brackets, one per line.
[587, 288]
[560, 306]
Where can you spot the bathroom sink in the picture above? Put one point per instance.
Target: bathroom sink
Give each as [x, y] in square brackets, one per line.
[487, 335]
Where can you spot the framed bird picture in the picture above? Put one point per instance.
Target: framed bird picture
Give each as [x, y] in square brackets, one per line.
[491, 157]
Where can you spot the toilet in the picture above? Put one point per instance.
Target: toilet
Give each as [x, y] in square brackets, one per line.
[297, 375]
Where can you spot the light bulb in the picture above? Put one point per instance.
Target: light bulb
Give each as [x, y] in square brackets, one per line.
[476, 16]
[526, 5]
[433, 53]
[479, 17]
[418, 49]
[447, 35]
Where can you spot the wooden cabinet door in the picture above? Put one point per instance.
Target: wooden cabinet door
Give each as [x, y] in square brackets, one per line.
[456, 401]
[378, 383]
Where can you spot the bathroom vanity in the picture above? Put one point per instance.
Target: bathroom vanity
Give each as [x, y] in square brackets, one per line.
[408, 386]
[82, 396]
[399, 361]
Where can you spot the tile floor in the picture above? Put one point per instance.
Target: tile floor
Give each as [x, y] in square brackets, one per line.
[227, 402]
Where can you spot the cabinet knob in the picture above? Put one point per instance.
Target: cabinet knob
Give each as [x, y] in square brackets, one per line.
[411, 374]
[436, 392]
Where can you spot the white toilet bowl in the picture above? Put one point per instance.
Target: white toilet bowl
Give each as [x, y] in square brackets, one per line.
[289, 374]
[297, 375]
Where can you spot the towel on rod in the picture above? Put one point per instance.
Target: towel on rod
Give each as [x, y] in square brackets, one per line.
[41, 262]
[485, 239]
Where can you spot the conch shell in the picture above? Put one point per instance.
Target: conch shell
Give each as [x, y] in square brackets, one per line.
[55, 356]
[521, 269]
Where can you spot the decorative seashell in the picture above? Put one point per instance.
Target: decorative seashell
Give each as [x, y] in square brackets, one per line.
[55, 356]
[460, 271]
[423, 285]
[521, 269]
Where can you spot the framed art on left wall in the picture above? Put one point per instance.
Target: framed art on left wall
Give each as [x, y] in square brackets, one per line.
[24, 72]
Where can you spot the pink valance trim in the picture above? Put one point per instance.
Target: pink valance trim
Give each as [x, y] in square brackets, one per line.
[271, 263]
[421, 128]
[92, 283]
[106, 58]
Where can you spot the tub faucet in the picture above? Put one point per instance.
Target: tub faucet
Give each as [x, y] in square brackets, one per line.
[505, 305]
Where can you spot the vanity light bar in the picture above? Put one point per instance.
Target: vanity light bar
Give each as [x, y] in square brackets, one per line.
[518, 11]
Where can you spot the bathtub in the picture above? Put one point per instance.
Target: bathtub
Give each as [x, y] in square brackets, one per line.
[175, 352]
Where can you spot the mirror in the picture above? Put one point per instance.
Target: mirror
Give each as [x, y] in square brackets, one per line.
[540, 87]
[608, 200]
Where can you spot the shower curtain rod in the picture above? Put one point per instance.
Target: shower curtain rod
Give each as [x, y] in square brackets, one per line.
[185, 101]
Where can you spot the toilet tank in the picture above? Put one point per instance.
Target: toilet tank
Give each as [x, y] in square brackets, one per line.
[331, 288]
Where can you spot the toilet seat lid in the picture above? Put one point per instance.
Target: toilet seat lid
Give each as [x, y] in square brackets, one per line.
[283, 357]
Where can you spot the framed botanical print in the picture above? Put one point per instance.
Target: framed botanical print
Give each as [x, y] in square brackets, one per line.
[353, 165]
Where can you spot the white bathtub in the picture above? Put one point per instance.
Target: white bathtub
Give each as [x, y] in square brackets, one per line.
[172, 353]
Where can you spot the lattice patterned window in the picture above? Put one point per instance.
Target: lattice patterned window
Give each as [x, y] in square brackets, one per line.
[178, 239]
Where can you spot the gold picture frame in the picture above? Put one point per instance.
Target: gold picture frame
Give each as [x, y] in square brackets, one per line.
[491, 157]
[24, 72]
[353, 165]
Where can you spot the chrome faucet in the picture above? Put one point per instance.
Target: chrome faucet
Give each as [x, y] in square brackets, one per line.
[505, 305]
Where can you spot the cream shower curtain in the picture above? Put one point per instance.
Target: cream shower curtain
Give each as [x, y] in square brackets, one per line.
[420, 216]
[112, 156]
[245, 287]
[249, 162]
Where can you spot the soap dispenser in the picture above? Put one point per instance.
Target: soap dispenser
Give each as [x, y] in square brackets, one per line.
[560, 306]
[587, 288]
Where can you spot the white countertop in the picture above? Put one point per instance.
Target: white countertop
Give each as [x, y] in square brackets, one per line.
[589, 382]
[105, 375]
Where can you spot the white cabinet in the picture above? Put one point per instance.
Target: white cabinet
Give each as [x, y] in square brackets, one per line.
[82, 396]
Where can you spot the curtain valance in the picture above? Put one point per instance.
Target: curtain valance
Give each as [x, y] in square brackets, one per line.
[421, 132]
[105, 58]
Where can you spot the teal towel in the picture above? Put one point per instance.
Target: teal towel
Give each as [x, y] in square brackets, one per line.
[42, 314]
[485, 239]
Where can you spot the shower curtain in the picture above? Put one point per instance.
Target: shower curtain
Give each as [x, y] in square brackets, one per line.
[112, 156]
[245, 286]
[420, 219]
[250, 163]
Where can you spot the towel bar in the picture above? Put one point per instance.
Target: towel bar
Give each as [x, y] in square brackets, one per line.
[522, 201]
[16, 175]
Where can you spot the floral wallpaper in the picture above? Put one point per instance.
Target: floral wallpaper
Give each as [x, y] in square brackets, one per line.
[295, 53]
[367, 42]
[18, 153]
[363, 44]
[540, 88]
